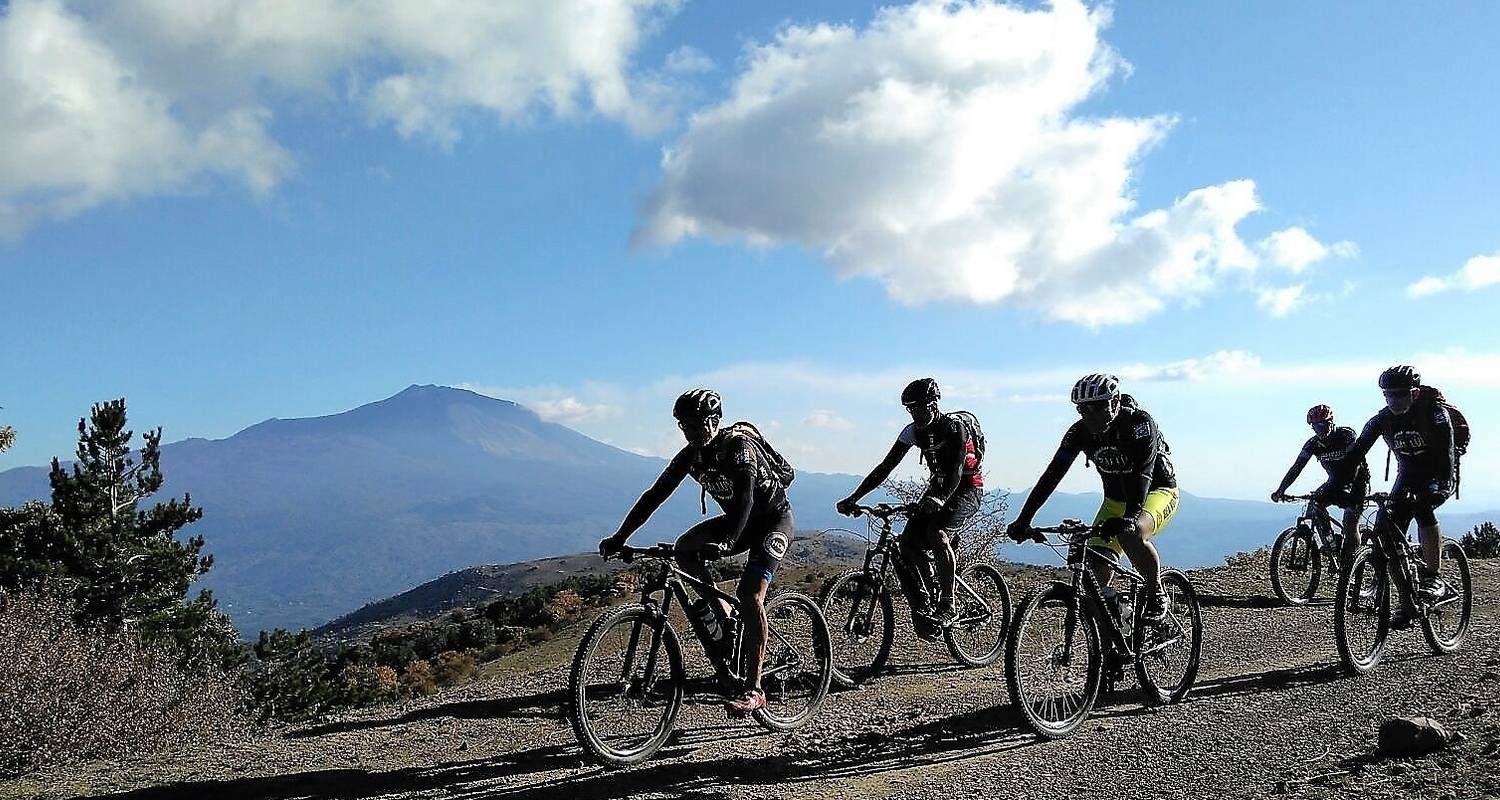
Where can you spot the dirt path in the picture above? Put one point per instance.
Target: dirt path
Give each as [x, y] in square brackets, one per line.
[1271, 715]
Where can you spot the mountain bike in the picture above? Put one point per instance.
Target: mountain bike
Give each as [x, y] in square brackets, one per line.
[627, 682]
[1069, 642]
[1385, 570]
[861, 612]
[1303, 552]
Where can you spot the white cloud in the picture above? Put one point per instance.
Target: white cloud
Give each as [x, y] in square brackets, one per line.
[827, 419]
[108, 102]
[1280, 302]
[1476, 273]
[1296, 249]
[688, 60]
[940, 150]
[1216, 365]
[571, 409]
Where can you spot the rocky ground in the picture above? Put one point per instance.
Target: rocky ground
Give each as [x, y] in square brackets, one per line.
[1270, 716]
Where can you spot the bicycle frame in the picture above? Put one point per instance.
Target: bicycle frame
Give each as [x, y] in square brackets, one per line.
[1087, 594]
[1393, 546]
[668, 581]
[890, 555]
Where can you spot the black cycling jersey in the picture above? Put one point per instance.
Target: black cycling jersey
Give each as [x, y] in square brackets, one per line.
[1131, 455]
[940, 443]
[715, 466]
[1345, 471]
[1421, 439]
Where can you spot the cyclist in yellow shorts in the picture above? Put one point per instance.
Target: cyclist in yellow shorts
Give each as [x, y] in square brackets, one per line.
[1140, 487]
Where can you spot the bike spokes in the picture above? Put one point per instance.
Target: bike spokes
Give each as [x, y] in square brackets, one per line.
[626, 686]
[798, 664]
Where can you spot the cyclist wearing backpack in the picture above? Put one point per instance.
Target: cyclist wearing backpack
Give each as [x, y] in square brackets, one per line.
[1418, 428]
[952, 446]
[1348, 480]
[1140, 485]
[747, 478]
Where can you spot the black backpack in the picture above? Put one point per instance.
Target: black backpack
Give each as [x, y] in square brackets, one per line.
[773, 462]
[974, 432]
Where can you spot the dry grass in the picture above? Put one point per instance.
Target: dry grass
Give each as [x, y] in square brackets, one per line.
[70, 693]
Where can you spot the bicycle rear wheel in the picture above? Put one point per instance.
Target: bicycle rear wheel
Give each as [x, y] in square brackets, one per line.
[862, 624]
[1362, 611]
[799, 662]
[977, 636]
[1167, 654]
[1296, 566]
[625, 687]
[1446, 626]
[1053, 662]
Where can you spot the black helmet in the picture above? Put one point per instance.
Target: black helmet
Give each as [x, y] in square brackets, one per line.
[698, 404]
[1095, 387]
[921, 390]
[1400, 377]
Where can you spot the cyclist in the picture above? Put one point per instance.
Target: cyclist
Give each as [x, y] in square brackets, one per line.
[1419, 432]
[1348, 479]
[1140, 486]
[733, 468]
[954, 492]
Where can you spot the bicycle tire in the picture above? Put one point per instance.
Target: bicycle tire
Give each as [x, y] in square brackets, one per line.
[967, 648]
[1053, 601]
[849, 633]
[794, 689]
[1182, 607]
[1453, 554]
[584, 694]
[1362, 610]
[1293, 543]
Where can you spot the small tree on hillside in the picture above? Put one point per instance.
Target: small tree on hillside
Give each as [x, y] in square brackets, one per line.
[7, 437]
[1482, 542]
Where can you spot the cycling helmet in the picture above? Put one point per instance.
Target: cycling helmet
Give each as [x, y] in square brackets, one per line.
[1400, 377]
[1320, 413]
[921, 390]
[1097, 386]
[698, 404]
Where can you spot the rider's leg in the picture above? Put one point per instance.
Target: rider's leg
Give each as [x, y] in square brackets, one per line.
[752, 595]
[690, 558]
[914, 552]
[1351, 535]
[942, 555]
[1142, 552]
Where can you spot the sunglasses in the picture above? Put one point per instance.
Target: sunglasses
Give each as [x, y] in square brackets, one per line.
[1093, 407]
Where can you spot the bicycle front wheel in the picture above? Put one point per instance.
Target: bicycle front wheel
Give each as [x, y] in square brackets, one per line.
[799, 662]
[1053, 663]
[1296, 566]
[862, 623]
[982, 608]
[1167, 653]
[1446, 626]
[1362, 611]
[625, 688]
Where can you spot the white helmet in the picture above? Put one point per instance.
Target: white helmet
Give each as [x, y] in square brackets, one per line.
[1098, 386]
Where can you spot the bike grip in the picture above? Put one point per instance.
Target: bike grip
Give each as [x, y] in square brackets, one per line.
[1038, 536]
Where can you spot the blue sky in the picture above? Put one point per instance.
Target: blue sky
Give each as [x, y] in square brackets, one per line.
[289, 210]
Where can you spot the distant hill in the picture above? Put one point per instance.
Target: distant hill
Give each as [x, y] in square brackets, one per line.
[309, 519]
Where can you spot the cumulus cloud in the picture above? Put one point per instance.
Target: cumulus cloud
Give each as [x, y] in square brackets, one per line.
[1476, 273]
[107, 102]
[1296, 249]
[941, 151]
[1280, 302]
[1224, 363]
[827, 419]
[571, 409]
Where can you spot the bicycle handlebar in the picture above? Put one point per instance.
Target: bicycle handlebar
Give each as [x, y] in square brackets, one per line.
[711, 550]
[884, 510]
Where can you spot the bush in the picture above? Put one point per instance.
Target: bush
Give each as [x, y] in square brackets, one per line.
[1482, 542]
[418, 679]
[292, 680]
[70, 692]
[454, 667]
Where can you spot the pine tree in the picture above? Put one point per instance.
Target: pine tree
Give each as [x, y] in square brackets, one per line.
[1482, 542]
[123, 564]
[7, 437]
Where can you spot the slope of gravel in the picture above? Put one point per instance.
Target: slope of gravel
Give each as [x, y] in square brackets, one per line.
[1270, 716]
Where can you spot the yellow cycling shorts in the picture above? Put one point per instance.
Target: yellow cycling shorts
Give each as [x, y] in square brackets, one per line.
[1161, 504]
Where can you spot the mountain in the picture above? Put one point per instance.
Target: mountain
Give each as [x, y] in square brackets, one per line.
[310, 518]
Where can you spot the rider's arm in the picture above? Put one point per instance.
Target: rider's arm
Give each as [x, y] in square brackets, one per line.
[1291, 474]
[882, 470]
[1444, 458]
[1146, 444]
[743, 477]
[670, 479]
[951, 474]
[1062, 461]
[1366, 440]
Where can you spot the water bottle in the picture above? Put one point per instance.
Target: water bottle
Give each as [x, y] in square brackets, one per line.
[1127, 612]
[706, 617]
